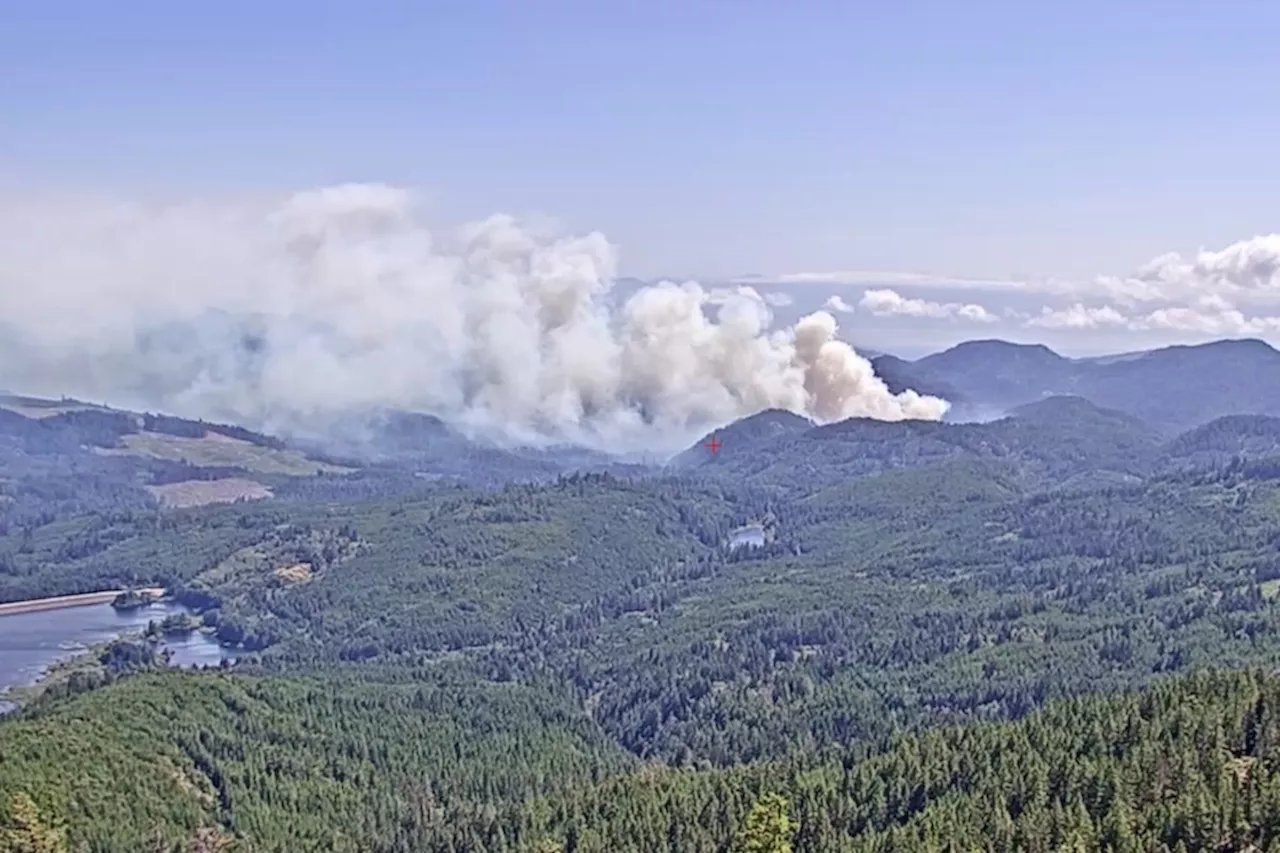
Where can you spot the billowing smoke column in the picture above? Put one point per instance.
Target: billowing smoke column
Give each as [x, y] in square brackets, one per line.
[341, 300]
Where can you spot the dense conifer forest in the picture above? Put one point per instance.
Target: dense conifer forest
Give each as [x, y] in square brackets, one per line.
[288, 764]
[1051, 632]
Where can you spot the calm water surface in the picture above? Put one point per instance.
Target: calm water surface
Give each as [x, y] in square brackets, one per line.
[752, 534]
[31, 642]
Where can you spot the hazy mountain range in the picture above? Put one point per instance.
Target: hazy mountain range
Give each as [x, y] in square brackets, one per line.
[1048, 416]
[1171, 389]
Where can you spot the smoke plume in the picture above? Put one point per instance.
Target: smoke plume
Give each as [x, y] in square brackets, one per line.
[340, 300]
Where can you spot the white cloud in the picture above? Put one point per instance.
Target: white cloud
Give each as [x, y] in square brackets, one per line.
[1208, 315]
[1077, 316]
[976, 313]
[725, 295]
[885, 277]
[1206, 321]
[1247, 271]
[777, 299]
[885, 302]
[837, 303]
[1230, 291]
[888, 302]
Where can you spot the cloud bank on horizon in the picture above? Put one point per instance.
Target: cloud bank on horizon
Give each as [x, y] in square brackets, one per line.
[1234, 291]
[283, 313]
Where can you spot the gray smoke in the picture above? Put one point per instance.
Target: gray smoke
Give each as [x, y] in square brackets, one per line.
[340, 300]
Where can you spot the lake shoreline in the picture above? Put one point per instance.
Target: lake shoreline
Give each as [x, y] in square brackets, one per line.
[60, 602]
[38, 646]
[19, 695]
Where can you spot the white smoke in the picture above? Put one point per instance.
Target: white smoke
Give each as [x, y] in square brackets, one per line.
[341, 300]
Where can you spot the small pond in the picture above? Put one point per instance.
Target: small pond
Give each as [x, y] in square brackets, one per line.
[752, 534]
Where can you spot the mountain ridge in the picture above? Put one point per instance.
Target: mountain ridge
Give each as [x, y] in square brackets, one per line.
[1049, 397]
[1173, 388]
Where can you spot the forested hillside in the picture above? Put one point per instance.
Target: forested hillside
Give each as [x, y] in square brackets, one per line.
[296, 765]
[62, 458]
[607, 662]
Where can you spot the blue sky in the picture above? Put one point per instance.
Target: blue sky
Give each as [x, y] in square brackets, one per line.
[984, 139]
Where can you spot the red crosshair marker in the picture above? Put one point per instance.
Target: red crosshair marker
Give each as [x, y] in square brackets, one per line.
[713, 445]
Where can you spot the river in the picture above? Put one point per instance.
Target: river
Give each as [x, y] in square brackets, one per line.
[32, 642]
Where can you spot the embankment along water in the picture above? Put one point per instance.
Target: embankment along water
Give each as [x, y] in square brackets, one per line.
[58, 602]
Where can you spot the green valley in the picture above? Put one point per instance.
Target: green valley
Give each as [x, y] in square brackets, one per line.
[937, 643]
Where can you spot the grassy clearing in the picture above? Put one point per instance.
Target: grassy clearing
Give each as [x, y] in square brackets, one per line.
[37, 408]
[219, 451]
[190, 493]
